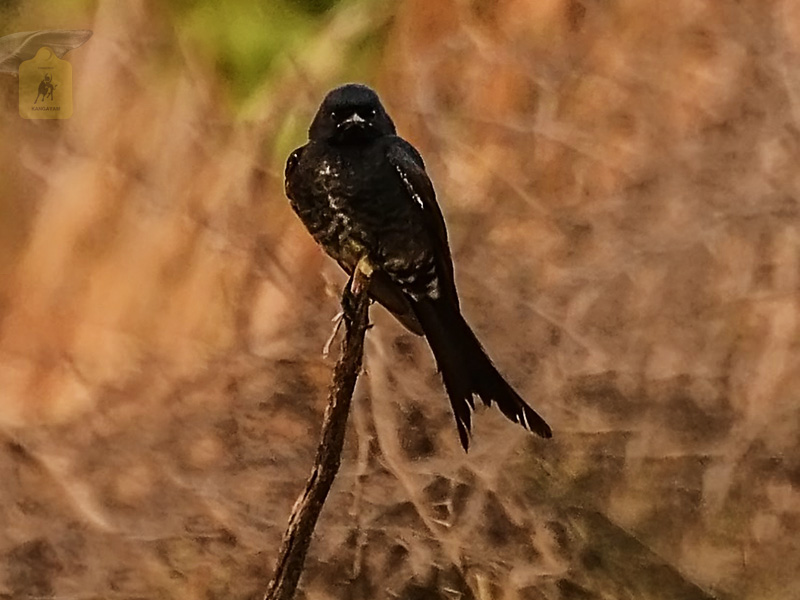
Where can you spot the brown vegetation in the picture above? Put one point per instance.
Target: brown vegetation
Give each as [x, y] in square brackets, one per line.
[621, 184]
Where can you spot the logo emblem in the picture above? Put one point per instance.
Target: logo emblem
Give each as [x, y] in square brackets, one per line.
[45, 87]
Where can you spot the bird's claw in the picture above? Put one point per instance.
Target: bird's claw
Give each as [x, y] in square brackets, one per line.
[348, 314]
[349, 307]
[337, 324]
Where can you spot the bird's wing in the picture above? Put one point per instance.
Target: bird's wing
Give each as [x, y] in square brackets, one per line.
[411, 169]
[291, 165]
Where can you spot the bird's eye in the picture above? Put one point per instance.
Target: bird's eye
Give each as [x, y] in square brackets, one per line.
[372, 112]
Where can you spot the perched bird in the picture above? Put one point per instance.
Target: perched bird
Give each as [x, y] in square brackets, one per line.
[362, 191]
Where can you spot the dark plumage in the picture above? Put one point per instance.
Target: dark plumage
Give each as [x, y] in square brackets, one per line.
[361, 190]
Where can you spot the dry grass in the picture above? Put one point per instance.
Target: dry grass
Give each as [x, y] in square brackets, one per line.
[621, 184]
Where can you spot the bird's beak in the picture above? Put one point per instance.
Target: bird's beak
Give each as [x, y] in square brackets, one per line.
[354, 119]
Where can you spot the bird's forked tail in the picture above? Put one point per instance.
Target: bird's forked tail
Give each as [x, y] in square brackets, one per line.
[466, 370]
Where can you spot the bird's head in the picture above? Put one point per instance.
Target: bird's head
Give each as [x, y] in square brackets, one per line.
[350, 114]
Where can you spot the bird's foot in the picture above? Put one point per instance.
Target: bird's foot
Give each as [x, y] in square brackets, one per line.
[350, 304]
[337, 325]
[349, 311]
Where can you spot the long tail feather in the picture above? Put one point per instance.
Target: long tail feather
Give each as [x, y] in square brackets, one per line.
[466, 370]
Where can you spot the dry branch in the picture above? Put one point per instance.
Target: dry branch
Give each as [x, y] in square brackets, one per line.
[326, 464]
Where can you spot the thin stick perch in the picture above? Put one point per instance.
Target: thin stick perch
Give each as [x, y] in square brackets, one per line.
[308, 506]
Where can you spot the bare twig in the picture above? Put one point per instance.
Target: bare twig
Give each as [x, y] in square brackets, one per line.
[309, 505]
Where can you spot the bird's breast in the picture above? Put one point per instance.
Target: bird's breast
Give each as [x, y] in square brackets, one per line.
[355, 204]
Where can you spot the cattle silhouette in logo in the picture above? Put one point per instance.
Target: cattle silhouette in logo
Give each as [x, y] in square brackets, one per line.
[46, 88]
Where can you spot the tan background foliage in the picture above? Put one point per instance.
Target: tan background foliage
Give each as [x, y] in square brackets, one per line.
[621, 184]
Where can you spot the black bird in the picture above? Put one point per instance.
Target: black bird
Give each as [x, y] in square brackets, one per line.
[362, 191]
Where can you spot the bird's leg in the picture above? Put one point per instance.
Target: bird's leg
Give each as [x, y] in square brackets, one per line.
[361, 273]
[348, 298]
[365, 268]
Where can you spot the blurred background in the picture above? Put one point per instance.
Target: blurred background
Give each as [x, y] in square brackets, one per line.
[621, 184]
